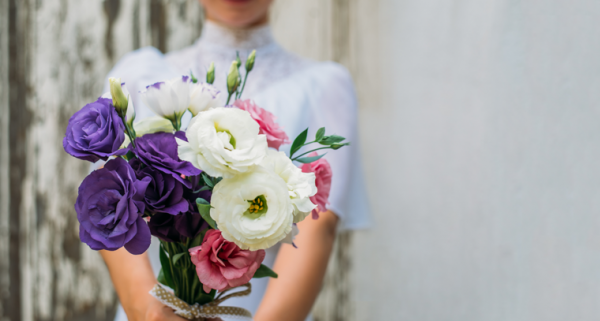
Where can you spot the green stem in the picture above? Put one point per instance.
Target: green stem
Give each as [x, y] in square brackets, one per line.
[314, 150]
[228, 98]
[243, 86]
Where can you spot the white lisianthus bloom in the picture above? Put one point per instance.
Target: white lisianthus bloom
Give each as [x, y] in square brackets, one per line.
[203, 97]
[223, 142]
[301, 186]
[153, 124]
[252, 209]
[168, 99]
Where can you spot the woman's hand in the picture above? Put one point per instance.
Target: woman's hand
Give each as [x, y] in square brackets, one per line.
[133, 279]
[152, 310]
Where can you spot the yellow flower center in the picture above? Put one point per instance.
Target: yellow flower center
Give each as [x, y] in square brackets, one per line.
[257, 208]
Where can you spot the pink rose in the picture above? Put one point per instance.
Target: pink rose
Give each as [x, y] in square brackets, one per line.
[323, 175]
[221, 264]
[275, 135]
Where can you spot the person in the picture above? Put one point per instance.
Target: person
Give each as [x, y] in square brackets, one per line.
[301, 93]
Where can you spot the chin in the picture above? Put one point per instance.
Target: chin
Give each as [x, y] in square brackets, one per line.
[237, 13]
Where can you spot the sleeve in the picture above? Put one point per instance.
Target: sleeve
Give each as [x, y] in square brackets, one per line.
[335, 108]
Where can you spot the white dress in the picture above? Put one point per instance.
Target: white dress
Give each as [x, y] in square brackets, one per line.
[299, 92]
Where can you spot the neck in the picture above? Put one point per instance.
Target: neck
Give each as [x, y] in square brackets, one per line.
[217, 34]
[262, 21]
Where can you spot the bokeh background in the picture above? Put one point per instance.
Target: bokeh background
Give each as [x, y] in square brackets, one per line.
[480, 129]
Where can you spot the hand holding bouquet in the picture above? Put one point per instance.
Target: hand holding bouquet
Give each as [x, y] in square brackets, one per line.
[217, 194]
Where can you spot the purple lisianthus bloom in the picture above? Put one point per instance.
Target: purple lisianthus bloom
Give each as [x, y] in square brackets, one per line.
[159, 150]
[164, 193]
[95, 132]
[109, 209]
[174, 228]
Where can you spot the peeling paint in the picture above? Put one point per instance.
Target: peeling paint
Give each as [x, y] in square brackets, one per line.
[54, 56]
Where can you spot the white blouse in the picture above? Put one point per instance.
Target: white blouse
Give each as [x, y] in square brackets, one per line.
[301, 93]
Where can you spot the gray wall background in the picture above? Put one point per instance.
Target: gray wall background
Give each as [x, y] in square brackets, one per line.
[479, 128]
[481, 139]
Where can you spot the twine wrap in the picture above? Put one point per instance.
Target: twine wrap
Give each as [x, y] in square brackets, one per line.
[206, 311]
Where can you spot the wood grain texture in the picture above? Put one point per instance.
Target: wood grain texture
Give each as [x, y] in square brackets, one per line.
[4, 161]
[57, 53]
[324, 30]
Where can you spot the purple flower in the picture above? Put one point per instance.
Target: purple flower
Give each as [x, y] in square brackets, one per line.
[95, 132]
[174, 228]
[159, 150]
[164, 193]
[109, 209]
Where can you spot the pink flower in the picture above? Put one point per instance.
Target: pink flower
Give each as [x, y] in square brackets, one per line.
[221, 264]
[275, 135]
[323, 175]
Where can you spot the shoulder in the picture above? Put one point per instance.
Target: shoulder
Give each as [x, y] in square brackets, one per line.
[140, 58]
[330, 81]
[328, 76]
[180, 59]
[142, 67]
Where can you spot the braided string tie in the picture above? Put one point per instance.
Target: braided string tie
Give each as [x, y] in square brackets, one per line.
[205, 311]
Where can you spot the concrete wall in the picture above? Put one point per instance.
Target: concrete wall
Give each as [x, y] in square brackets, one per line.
[480, 128]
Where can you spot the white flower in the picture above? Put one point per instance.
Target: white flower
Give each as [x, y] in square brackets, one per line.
[169, 99]
[203, 97]
[301, 186]
[252, 209]
[152, 124]
[223, 142]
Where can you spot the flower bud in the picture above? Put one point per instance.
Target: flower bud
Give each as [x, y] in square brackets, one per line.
[120, 100]
[210, 74]
[250, 61]
[130, 115]
[233, 77]
[238, 61]
[194, 79]
[337, 146]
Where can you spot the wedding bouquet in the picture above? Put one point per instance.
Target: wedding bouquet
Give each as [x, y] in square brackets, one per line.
[216, 194]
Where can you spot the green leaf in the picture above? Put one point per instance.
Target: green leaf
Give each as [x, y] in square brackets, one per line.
[207, 180]
[263, 272]
[328, 140]
[161, 277]
[166, 268]
[197, 241]
[320, 134]
[129, 156]
[307, 160]
[204, 209]
[204, 188]
[177, 256]
[298, 142]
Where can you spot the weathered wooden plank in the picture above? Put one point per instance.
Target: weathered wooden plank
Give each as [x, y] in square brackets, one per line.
[4, 161]
[54, 57]
[322, 30]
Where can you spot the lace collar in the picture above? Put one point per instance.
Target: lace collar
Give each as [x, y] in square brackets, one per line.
[217, 36]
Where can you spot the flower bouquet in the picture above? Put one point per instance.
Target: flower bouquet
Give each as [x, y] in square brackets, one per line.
[216, 194]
